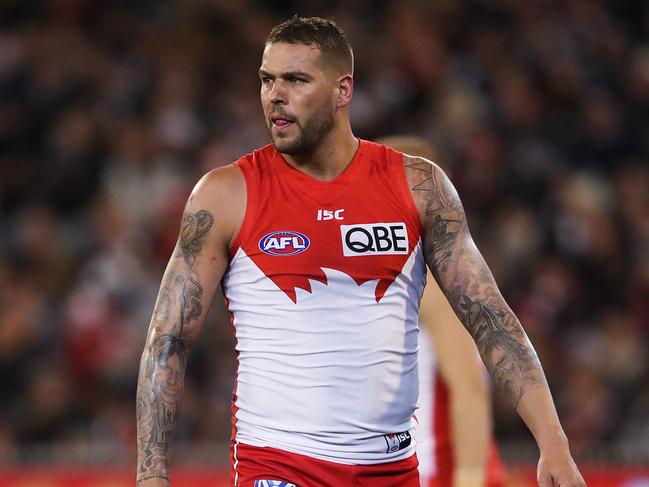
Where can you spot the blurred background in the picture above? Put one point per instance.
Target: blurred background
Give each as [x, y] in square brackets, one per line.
[110, 111]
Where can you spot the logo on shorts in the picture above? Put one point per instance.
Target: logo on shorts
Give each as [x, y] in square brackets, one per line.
[284, 243]
[374, 239]
[397, 441]
[274, 483]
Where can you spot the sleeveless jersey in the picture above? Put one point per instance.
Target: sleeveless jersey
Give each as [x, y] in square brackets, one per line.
[323, 288]
[434, 429]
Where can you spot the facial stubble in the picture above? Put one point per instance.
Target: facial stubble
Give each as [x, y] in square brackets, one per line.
[310, 133]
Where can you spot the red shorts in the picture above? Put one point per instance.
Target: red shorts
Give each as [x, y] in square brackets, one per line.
[253, 463]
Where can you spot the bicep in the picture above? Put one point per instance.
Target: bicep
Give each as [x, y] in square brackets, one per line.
[449, 249]
[191, 277]
[447, 243]
[198, 262]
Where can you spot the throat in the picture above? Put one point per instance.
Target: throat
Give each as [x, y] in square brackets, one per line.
[325, 163]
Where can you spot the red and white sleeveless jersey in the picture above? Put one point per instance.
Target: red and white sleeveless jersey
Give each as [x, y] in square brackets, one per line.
[434, 428]
[324, 285]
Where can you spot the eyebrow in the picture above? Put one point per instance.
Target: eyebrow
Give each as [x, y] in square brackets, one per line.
[287, 74]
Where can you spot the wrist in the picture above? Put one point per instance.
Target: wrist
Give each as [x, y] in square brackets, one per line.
[553, 443]
[469, 477]
[153, 481]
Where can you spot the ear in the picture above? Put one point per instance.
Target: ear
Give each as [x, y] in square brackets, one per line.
[344, 89]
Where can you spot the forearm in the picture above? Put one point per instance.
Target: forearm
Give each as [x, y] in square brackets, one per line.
[503, 345]
[537, 409]
[510, 358]
[159, 393]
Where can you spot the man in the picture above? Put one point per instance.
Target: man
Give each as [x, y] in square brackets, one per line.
[455, 445]
[319, 241]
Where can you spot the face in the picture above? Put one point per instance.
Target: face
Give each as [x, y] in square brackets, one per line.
[298, 97]
[167, 378]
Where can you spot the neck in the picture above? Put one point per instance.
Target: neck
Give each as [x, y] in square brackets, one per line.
[330, 158]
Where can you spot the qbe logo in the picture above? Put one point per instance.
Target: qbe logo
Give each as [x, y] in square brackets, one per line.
[284, 243]
[374, 239]
[273, 483]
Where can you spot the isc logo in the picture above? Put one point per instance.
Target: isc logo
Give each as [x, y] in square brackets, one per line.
[273, 483]
[330, 215]
[374, 239]
[397, 441]
[284, 243]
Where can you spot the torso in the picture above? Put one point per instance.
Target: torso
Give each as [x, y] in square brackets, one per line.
[324, 285]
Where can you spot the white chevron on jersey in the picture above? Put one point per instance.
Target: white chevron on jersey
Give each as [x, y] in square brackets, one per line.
[328, 375]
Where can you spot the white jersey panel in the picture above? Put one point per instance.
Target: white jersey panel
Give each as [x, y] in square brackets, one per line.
[317, 379]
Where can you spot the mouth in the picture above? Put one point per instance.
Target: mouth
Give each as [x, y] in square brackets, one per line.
[280, 122]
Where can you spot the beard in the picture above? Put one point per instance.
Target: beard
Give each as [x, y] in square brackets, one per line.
[310, 133]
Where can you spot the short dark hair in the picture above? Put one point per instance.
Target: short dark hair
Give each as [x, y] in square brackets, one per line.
[319, 32]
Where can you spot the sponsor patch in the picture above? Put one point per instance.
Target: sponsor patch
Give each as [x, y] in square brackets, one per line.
[397, 441]
[374, 239]
[274, 483]
[284, 243]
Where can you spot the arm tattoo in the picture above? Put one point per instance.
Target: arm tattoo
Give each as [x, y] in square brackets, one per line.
[162, 369]
[159, 389]
[503, 343]
[468, 284]
[191, 307]
[193, 230]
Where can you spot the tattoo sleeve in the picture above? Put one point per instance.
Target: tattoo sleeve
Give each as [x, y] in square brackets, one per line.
[175, 323]
[467, 282]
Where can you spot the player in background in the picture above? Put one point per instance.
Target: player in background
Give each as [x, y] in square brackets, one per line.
[455, 444]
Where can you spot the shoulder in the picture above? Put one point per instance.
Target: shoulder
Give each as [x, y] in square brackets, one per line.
[221, 194]
[425, 179]
[222, 184]
[431, 189]
[225, 177]
[419, 170]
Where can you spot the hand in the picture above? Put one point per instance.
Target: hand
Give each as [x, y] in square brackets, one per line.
[557, 469]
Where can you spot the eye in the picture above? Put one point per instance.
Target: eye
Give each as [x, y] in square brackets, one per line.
[265, 80]
[295, 79]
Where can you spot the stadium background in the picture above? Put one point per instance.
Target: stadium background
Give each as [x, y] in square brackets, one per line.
[110, 111]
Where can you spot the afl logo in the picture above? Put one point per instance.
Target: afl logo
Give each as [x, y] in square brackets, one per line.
[284, 243]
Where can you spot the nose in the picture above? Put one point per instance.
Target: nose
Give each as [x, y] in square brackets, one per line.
[277, 93]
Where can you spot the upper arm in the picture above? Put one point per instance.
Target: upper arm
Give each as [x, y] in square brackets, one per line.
[464, 277]
[445, 231]
[210, 221]
[449, 250]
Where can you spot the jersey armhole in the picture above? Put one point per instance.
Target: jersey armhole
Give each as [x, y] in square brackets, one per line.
[248, 216]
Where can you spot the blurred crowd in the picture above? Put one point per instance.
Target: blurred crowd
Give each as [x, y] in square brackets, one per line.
[111, 111]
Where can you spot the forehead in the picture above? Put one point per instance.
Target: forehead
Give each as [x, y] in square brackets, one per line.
[283, 57]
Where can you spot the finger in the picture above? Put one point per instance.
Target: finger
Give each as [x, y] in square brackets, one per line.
[545, 480]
